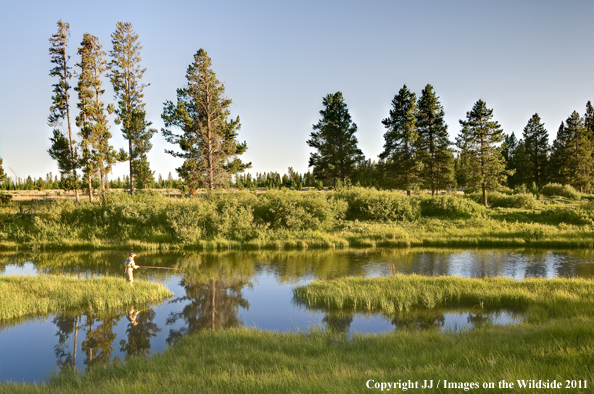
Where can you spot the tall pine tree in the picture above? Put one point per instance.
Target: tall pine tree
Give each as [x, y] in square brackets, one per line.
[334, 140]
[433, 142]
[536, 141]
[125, 73]
[100, 156]
[63, 149]
[403, 165]
[208, 141]
[480, 139]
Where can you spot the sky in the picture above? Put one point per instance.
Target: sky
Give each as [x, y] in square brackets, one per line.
[278, 59]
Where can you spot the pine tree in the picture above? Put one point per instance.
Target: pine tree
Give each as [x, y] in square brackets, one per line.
[100, 156]
[517, 162]
[536, 140]
[2, 173]
[403, 164]
[125, 73]
[208, 141]
[433, 142]
[574, 153]
[86, 112]
[480, 139]
[63, 149]
[335, 142]
[558, 159]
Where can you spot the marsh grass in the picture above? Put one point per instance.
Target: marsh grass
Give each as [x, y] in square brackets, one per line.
[39, 295]
[540, 298]
[253, 361]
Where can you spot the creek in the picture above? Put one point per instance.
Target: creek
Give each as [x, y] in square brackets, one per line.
[250, 289]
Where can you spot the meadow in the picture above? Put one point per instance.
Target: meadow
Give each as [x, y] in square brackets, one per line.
[286, 219]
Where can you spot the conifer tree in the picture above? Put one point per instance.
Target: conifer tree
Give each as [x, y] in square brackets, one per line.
[2, 173]
[403, 165]
[335, 142]
[98, 155]
[63, 149]
[480, 139]
[517, 162]
[125, 73]
[433, 142]
[208, 141]
[578, 153]
[536, 141]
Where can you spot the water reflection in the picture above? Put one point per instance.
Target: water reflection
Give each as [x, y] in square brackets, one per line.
[231, 289]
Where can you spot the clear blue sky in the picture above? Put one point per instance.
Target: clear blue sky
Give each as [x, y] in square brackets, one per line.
[278, 59]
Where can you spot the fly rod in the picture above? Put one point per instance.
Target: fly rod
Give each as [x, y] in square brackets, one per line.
[151, 266]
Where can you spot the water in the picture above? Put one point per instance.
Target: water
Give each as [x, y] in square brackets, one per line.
[252, 289]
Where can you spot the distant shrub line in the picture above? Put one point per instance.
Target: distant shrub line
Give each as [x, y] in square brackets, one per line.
[280, 218]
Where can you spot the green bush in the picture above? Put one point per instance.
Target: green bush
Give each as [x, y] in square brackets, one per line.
[580, 215]
[374, 205]
[500, 200]
[556, 189]
[450, 206]
[292, 210]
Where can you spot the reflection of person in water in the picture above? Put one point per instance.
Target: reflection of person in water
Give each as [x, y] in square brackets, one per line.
[132, 315]
[130, 267]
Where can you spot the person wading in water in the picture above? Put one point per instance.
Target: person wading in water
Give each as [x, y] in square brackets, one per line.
[130, 267]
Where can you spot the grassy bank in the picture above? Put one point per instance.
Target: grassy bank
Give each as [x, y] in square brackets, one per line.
[283, 219]
[251, 361]
[26, 295]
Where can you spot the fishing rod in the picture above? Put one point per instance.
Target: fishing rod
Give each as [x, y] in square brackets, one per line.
[151, 266]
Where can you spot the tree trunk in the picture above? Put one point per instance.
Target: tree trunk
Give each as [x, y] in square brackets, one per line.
[484, 186]
[90, 188]
[131, 167]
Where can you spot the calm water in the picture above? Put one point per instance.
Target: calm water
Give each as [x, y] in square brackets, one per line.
[252, 289]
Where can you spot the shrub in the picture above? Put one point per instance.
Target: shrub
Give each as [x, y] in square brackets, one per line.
[385, 206]
[499, 200]
[292, 210]
[451, 207]
[580, 215]
[556, 189]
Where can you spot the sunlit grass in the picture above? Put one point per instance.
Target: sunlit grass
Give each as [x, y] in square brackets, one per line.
[38, 295]
[541, 298]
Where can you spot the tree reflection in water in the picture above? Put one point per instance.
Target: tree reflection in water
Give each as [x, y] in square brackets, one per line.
[140, 331]
[213, 304]
[67, 326]
[97, 345]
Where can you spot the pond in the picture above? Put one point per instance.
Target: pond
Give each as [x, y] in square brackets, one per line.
[251, 289]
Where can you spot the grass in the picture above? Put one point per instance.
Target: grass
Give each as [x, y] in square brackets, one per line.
[253, 361]
[28, 295]
[541, 298]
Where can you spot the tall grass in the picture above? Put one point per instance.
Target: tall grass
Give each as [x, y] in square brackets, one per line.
[402, 292]
[27, 295]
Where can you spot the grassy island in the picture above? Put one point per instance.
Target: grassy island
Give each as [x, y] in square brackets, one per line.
[27, 295]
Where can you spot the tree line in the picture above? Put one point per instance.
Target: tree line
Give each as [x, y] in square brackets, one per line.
[417, 153]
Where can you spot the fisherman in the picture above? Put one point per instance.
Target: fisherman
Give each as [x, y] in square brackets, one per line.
[130, 267]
